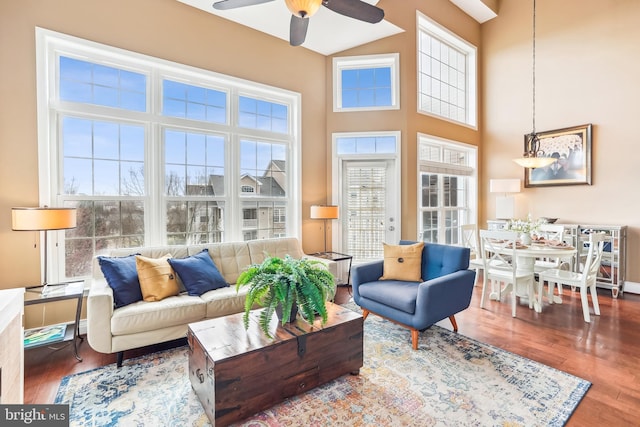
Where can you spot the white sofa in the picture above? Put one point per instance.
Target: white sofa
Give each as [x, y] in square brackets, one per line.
[114, 330]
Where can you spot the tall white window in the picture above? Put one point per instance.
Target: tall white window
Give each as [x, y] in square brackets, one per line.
[152, 152]
[447, 189]
[447, 74]
[368, 82]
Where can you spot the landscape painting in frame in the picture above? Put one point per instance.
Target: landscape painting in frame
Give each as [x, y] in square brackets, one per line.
[571, 147]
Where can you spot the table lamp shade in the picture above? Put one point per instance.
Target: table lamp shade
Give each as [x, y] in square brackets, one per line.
[324, 212]
[32, 219]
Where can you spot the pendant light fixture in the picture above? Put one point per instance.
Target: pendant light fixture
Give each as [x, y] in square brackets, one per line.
[530, 158]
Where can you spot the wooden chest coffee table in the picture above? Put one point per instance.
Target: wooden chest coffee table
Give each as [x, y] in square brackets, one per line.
[237, 373]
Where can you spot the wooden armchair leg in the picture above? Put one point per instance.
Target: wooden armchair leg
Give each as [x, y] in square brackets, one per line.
[365, 313]
[453, 322]
[414, 338]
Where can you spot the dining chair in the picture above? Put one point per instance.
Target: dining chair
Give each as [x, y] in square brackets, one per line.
[470, 240]
[498, 251]
[585, 280]
[550, 232]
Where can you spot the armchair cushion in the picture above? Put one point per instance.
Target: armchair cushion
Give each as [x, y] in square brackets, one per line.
[394, 293]
[403, 262]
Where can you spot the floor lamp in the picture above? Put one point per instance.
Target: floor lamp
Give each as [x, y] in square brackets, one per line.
[43, 219]
[324, 212]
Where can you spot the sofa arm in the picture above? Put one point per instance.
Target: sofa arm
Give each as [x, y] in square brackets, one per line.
[332, 266]
[444, 296]
[99, 313]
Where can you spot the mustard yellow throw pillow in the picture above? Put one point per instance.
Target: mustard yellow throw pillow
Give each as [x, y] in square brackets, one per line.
[403, 262]
[157, 278]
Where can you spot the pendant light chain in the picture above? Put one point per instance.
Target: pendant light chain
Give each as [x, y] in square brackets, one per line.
[534, 68]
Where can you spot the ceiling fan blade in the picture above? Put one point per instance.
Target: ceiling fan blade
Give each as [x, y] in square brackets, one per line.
[298, 30]
[234, 4]
[356, 9]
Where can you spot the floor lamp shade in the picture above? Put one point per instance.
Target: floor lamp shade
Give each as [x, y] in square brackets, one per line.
[43, 219]
[324, 212]
[33, 219]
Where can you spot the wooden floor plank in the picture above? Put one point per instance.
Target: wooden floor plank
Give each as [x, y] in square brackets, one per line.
[605, 352]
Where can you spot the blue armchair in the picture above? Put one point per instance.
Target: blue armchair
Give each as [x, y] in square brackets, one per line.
[445, 291]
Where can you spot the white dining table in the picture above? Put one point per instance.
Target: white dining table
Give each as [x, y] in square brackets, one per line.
[526, 258]
[526, 261]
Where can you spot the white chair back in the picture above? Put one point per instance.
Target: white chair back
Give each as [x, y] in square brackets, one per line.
[469, 234]
[593, 259]
[498, 249]
[551, 232]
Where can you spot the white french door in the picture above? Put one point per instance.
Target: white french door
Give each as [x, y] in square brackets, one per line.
[370, 210]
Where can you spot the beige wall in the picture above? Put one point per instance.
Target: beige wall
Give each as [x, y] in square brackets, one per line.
[587, 68]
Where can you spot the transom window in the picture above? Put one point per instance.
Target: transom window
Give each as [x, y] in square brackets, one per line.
[366, 82]
[447, 73]
[209, 160]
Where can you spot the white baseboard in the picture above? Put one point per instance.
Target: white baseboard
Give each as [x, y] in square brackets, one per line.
[83, 327]
[632, 287]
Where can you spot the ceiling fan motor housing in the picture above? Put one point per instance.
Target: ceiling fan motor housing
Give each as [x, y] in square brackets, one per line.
[303, 8]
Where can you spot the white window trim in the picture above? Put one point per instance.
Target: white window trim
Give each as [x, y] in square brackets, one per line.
[49, 44]
[424, 23]
[473, 189]
[391, 60]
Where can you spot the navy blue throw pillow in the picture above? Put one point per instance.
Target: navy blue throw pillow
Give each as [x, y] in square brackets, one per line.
[122, 277]
[198, 273]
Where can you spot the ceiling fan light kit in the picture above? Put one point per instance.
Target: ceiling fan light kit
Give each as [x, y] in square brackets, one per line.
[303, 9]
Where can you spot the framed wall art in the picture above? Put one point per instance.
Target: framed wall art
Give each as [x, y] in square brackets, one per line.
[571, 147]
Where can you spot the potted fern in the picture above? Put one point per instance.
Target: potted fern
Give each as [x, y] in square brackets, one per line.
[289, 283]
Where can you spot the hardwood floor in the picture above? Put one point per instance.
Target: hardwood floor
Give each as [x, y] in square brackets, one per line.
[605, 352]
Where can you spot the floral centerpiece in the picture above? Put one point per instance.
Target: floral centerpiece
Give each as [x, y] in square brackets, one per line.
[525, 227]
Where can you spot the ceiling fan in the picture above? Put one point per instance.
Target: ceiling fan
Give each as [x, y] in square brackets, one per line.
[302, 10]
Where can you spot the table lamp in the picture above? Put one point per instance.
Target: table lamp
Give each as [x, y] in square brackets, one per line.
[505, 204]
[324, 212]
[43, 219]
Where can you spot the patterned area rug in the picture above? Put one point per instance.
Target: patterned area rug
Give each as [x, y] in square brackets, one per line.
[450, 380]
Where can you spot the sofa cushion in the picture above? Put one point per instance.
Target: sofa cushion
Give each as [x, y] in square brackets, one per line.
[122, 277]
[403, 262]
[278, 247]
[157, 278]
[224, 301]
[198, 272]
[151, 316]
[398, 294]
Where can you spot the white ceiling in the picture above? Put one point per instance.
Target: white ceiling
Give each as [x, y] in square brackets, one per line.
[328, 32]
